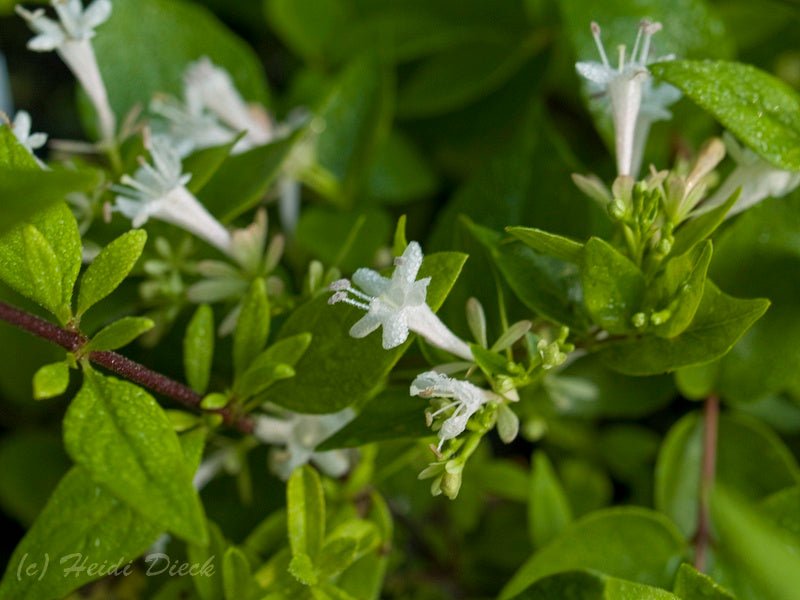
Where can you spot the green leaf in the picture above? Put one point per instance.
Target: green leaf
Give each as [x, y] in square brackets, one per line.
[242, 180]
[391, 415]
[544, 284]
[252, 328]
[719, 322]
[306, 521]
[210, 586]
[755, 547]
[739, 439]
[588, 585]
[356, 114]
[549, 244]
[236, 576]
[117, 432]
[346, 544]
[119, 333]
[203, 164]
[452, 79]
[182, 32]
[51, 380]
[548, 510]
[678, 289]
[691, 583]
[82, 521]
[307, 26]
[398, 172]
[198, 348]
[613, 287]
[44, 273]
[629, 543]
[60, 230]
[110, 268]
[273, 364]
[338, 370]
[761, 110]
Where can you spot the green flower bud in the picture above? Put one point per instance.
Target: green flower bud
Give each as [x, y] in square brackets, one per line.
[639, 320]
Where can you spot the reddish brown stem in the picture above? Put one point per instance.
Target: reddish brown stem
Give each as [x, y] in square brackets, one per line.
[72, 341]
[702, 539]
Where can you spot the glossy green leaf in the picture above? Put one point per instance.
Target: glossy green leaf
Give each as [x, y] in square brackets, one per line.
[762, 110]
[548, 510]
[691, 583]
[51, 380]
[739, 439]
[588, 585]
[338, 370]
[45, 273]
[119, 434]
[119, 333]
[629, 543]
[613, 287]
[273, 364]
[550, 244]
[60, 230]
[182, 32]
[678, 290]
[82, 521]
[110, 268]
[719, 322]
[546, 285]
[252, 327]
[198, 348]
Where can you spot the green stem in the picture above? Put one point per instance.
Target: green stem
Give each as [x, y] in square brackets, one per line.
[702, 539]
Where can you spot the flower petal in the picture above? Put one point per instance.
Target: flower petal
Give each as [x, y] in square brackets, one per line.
[372, 282]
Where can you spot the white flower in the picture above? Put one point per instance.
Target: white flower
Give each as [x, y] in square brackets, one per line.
[70, 37]
[190, 126]
[299, 435]
[21, 127]
[211, 87]
[757, 178]
[159, 192]
[635, 102]
[467, 400]
[398, 305]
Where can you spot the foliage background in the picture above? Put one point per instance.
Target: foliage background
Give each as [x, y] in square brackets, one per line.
[471, 108]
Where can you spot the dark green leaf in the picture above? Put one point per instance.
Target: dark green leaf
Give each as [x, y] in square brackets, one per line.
[548, 510]
[588, 585]
[762, 110]
[548, 243]
[117, 432]
[699, 228]
[110, 268]
[398, 172]
[630, 543]
[203, 164]
[273, 364]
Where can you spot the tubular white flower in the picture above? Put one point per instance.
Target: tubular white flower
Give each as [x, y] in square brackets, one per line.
[190, 127]
[398, 305]
[299, 435]
[211, 87]
[159, 192]
[70, 37]
[21, 128]
[635, 103]
[757, 178]
[467, 400]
